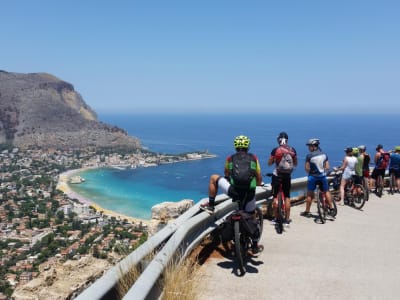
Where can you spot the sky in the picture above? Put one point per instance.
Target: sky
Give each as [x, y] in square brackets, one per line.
[211, 56]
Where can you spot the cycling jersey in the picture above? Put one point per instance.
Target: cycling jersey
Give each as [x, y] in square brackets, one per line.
[394, 161]
[317, 160]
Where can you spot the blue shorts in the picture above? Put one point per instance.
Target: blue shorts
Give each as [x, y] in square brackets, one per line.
[321, 181]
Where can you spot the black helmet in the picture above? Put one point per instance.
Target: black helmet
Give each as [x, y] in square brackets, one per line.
[379, 147]
[283, 135]
[282, 138]
[349, 150]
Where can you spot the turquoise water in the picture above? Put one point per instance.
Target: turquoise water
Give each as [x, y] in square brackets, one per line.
[134, 191]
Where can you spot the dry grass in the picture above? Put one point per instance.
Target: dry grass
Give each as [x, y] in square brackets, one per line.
[126, 282]
[179, 280]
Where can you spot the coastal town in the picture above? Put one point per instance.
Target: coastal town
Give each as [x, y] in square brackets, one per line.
[44, 225]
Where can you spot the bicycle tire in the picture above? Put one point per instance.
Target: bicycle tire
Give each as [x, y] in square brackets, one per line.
[392, 183]
[320, 207]
[334, 209]
[260, 219]
[379, 186]
[239, 249]
[281, 213]
[359, 199]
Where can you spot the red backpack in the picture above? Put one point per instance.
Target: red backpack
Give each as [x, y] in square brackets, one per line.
[383, 161]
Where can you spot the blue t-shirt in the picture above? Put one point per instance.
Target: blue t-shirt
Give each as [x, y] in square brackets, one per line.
[394, 161]
[317, 161]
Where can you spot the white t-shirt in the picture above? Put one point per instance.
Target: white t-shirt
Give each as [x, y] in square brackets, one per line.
[350, 167]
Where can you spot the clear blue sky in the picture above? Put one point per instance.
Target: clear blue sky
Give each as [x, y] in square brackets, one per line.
[211, 56]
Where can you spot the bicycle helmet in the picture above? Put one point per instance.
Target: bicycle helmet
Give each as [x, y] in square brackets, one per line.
[241, 142]
[356, 151]
[282, 138]
[313, 142]
[379, 147]
[397, 148]
[348, 150]
[362, 148]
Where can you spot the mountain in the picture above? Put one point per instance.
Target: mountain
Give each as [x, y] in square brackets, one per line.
[40, 110]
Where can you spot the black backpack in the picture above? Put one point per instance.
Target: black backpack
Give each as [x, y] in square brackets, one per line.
[242, 170]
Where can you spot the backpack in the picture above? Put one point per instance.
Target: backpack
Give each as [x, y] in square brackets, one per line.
[383, 161]
[248, 224]
[286, 164]
[242, 170]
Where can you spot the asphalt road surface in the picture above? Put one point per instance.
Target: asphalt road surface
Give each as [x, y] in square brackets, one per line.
[355, 256]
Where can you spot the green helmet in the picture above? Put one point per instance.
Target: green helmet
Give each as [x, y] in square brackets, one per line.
[241, 142]
[397, 148]
[356, 151]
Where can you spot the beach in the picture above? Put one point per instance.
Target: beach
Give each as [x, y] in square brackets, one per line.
[63, 185]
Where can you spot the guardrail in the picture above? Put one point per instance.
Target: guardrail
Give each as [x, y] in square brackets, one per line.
[172, 243]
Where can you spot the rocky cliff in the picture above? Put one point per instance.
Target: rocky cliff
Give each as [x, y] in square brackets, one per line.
[41, 110]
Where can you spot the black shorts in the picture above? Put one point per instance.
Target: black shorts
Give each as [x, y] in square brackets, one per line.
[286, 184]
[396, 172]
[376, 172]
[357, 179]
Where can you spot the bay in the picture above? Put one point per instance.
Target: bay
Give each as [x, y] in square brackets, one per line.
[134, 191]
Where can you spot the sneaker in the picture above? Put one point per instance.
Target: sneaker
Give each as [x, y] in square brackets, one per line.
[287, 222]
[257, 249]
[207, 207]
[274, 221]
[305, 214]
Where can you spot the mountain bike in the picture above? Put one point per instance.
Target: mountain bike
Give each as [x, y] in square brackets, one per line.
[242, 236]
[281, 207]
[323, 206]
[354, 193]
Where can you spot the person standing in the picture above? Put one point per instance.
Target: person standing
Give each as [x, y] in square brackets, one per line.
[394, 166]
[285, 159]
[348, 167]
[365, 164]
[316, 166]
[381, 160]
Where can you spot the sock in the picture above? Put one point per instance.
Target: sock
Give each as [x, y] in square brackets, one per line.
[211, 201]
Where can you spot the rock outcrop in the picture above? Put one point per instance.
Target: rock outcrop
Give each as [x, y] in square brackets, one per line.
[164, 212]
[41, 110]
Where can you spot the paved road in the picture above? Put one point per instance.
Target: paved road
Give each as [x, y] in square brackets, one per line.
[356, 256]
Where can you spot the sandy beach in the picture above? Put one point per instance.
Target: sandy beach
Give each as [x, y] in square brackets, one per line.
[63, 185]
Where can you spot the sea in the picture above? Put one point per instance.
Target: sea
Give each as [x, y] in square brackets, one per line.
[134, 192]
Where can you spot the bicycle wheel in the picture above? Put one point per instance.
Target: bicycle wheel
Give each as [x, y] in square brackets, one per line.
[334, 209]
[260, 219]
[321, 206]
[281, 212]
[239, 249]
[392, 183]
[359, 198]
[379, 186]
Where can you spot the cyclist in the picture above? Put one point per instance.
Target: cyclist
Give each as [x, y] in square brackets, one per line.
[316, 166]
[226, 184]
[394, 166]
[365, 162]
[358, 177]
[282, 172]
[380, 160]
[348, 167]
